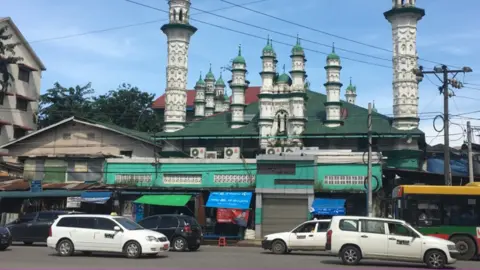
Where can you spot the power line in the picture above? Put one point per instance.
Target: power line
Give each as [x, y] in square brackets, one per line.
[132, 25]
[323, 32]
[262, 38]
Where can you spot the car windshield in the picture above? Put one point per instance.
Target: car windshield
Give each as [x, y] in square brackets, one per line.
[413, 229]
[128, 224]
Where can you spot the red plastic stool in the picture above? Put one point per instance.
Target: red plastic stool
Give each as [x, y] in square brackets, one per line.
[222, 241]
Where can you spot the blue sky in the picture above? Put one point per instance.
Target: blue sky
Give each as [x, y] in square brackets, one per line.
[137, 55]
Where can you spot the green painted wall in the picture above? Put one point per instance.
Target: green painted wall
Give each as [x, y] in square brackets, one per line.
[303, 171]
[345, 170]
[207, 171]
[403, 159]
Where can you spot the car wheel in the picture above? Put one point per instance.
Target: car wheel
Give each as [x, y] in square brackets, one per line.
[465, 246]
[351, 255]
[2, 248]
[179, 244]
[65, 248]
[132, 249]
[278, 247]
[435, 259]
[194, 248]
[28, 243]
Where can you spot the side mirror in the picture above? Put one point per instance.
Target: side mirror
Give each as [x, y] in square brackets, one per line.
[117, 229]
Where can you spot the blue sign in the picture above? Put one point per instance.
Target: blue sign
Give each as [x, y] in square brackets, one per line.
[36, 186]
[328, 207]
[230, 200]
[138, 210]
[96, 197]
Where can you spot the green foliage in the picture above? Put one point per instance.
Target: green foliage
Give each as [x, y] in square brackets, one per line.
[127, 106]
[7, 57]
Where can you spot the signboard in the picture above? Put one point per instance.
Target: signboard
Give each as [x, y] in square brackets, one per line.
[133, 179]
[74, 202]
[234, 216]
[138, 210]
[36, 186]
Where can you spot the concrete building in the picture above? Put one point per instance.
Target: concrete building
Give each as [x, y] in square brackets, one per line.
[19, 107]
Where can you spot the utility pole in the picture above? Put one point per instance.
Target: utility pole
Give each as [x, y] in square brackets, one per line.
[470, 154]
[444, 89]
[369, 168]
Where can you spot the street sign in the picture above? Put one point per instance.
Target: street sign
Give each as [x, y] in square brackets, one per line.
[36, 186]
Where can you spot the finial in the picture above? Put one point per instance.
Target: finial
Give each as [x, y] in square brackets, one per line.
[210, 67]
[271, 42]
[350, 80]
[220, 73]
[200, 75]
[298, 40]
[239, 49]
[333, 47]
[268, 39]
[283, 68]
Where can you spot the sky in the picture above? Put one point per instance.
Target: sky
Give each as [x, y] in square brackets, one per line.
[61, 33]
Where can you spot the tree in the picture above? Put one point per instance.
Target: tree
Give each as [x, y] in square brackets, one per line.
[7, 58]
[59, 103]
[128, 107]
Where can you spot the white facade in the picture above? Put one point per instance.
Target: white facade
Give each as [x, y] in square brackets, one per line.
[333, 86]
[282, 99]
[404, 17]
[238, 84]
[19, 107]
[178, 32]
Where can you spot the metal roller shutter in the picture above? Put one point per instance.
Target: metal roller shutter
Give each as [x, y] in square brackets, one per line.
[281, 215]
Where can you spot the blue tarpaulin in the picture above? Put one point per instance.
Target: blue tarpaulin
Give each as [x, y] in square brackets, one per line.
[98, 197]
[458, 167]
[231, 200]
[328, 207]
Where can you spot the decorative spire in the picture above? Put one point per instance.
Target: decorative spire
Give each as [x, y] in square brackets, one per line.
[239, 49]
[333, 47]
[210, 70]
[283, 68]
[351, 81]
[268, 39]
[298, 40]
[200, 76]
[333, 55]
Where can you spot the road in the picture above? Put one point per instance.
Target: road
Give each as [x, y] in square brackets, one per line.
[19, 256]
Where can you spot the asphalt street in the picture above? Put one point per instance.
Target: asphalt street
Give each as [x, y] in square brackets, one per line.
[19, 256]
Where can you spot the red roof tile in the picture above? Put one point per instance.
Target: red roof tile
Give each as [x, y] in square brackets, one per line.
[250, 97]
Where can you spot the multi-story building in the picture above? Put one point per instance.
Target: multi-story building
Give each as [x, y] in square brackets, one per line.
[19, 106]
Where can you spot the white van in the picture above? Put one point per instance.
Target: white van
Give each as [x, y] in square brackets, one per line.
[355, 238]
[104, 233]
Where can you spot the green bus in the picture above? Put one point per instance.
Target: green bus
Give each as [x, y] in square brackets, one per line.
[447, 212]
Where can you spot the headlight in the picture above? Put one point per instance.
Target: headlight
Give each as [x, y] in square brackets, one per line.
[452, 247]
[151, 239]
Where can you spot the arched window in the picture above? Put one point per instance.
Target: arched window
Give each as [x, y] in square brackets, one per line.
[174, 15]
[180, 16]
[282, 120]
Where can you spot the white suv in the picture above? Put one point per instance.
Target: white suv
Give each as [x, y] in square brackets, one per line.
[355, 238]
[104, 233]
[308, 236]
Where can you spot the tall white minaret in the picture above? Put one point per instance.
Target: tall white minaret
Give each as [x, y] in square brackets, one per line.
[351, 93]
[333, 86]
[404, 17]
[219, 95]
[200, 98]
[238, 84]
[268, 74]
[298, 119]
[209, 93]
[178, 32]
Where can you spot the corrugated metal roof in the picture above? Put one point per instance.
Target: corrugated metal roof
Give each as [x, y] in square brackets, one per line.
[22, 185]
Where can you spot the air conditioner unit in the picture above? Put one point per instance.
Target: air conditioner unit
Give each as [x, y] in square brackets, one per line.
[198, 152]
[273, 150]
[310, 148]
[211, 155]
[291, 149]
[231, 152]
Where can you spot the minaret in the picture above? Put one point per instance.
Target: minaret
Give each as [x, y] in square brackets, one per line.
[351, 93]
[373, 107]
[178, 32]
[268, 74]
[333, 86]
[404, 17]
[238, 84]
[226, 103]
[219, 94]
[209, 93]
[297, 119]
[200, 98]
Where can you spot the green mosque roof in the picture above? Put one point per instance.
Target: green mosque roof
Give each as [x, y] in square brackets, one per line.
[239, 59]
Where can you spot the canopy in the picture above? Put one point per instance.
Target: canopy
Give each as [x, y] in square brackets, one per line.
[164, 200]
[232, 200]
[97, 197]
[328, 207]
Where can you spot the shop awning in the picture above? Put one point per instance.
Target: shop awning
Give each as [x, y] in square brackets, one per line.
[97, 197]
[328, 207]
[41, 194]
[164, 200]
[231, 200]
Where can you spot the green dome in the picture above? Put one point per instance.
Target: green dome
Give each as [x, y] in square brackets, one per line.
[297, 49]
[351, 87]
[220, 81]
[268, 49]
[200, 81]
[210, 76]
[333, 55]
[226, 97]
[239, 59]
[284, 78]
